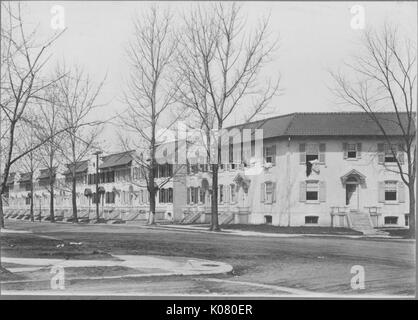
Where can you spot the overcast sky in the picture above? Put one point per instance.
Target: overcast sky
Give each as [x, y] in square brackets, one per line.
[314, 37]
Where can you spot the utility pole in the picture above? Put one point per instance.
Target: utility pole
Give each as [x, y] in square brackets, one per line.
[97, 184]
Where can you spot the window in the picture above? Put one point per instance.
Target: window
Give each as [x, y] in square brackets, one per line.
[221, 193]
[202, 196]
[406, 220]
[268, 219]
[161, 195]
[110, 197]
[391, 220]
[311, 219]
[233, 194]
[390, 191]
[390, 153]
[136, 173]
[269, 192]
[312, 190]
[165, 195]
[194, 195]
[270, 154]
[27, 200]
[170, 195]
[389, 156]
[351, 151]
[312, 152]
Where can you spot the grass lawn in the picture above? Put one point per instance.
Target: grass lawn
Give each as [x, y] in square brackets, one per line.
[32, 246]
[291, 230]
[397, 232]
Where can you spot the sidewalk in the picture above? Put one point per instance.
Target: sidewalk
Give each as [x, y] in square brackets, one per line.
[244, 233]
[34, 270]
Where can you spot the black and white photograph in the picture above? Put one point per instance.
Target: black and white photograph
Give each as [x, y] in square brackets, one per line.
[208, 150]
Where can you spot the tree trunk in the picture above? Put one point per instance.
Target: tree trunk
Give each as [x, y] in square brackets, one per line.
[51, 200]
[1, 211]
[74, 199]
[32, 217]
[214, 221]
[152, 192]
[412, 210]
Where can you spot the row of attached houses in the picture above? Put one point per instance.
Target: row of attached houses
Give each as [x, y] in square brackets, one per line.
[327, 169]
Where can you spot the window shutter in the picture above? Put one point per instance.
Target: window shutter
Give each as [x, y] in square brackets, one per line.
[381, 190]
[345, 150]
[322, 150]
[401, 154]
[273, 154]
[302, 153]
[322, 191]
[274, 192]
[381, 152]
[401, 192]
[359, 150]
[302, 191]
[262, 192]
[188, 195]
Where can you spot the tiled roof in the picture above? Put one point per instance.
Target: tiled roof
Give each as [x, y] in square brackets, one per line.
[81, 166]
[328, 124]
[117, 159]
[24, 177]
[44, 173]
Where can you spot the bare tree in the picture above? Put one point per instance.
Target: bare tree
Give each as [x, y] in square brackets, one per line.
[220, 63]
[76, 97]
[385, 75]
[29, 164]
[22, 62]
[49, 124]
[150, 94]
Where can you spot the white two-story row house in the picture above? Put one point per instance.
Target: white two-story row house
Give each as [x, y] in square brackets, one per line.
[326, 169]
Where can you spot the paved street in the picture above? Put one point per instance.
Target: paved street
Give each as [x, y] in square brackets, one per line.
[261, 265]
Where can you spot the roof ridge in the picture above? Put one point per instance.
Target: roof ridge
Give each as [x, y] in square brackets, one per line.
[117, 153]
[265, 119]
[295, 114]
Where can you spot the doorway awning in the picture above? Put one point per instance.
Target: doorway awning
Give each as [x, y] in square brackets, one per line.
[206, 184]
[353, 174]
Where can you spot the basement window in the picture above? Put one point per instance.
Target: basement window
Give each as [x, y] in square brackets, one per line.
[391, 220]
[311, 219]
[268, 219]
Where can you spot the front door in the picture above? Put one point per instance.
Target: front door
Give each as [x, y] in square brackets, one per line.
[351, 193]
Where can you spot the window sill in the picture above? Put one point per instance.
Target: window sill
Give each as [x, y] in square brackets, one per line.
[312, 202]
[392, 202]
[352, 159]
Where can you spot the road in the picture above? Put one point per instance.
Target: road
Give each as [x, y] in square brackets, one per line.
[262, 266]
